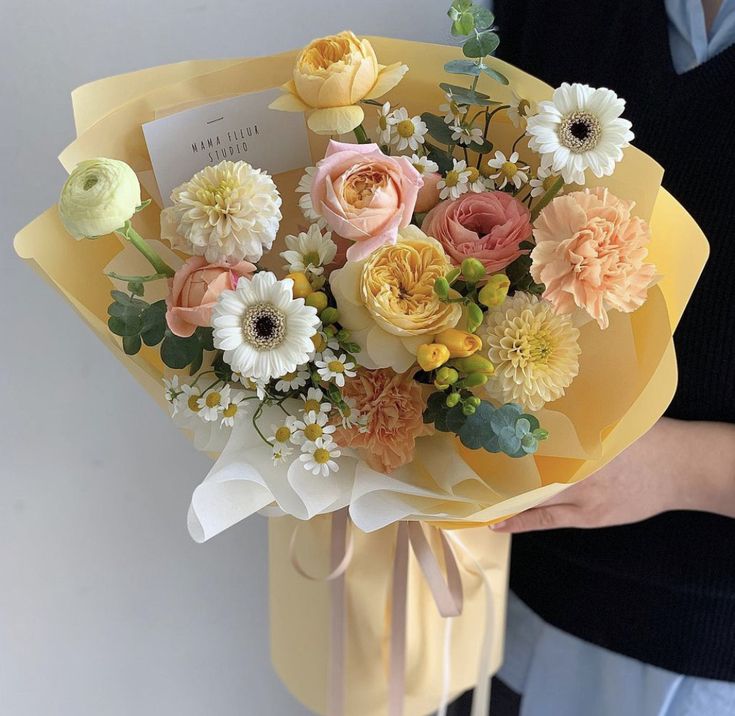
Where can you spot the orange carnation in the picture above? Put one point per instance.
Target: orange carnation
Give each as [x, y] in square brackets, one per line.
[393, 405]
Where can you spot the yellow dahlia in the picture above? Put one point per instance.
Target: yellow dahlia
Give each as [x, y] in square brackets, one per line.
[534, 351]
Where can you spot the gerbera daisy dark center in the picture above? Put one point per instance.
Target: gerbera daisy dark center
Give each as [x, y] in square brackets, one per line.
[580, 131]
[264, 326]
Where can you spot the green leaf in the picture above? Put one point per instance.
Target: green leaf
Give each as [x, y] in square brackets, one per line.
[505, 417]
[480, 45]
[120, 297]
[142, 206]
[462, 67]
[463, 24]
[154, 324]
[442, 158]
[494, 74]
[476, 431]
[463, 95]
[131, 344]
[437, 128]
[177, 352]
[484, 148]
[455, 419]
[221, 369]
[533, 422]
[121, 327]
[482, 16]
[136, 288]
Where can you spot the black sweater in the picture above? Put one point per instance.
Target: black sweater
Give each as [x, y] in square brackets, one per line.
[663, 590]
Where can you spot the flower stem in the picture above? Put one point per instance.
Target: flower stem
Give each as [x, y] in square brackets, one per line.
[161, 267]
[361, 135]
[139, 279]
[546, 198]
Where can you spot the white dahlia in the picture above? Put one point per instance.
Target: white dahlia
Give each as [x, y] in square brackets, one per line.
[534, 351]
[228, 211]
[579, 129]
[264, 332]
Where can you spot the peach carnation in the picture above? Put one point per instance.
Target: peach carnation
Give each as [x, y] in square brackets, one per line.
[392, 405]
[590, 254]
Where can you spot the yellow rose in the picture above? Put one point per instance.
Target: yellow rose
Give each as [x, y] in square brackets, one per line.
[461, 344]
[388, 303]
[331, 75]
[432, 355]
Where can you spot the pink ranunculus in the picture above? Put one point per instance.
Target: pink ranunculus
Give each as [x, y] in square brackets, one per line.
[591, 254]
[429, 192]
[364, 195]
[194, 289]
[489, 226]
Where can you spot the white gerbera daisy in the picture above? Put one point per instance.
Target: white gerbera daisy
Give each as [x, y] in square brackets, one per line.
[307, 208]
[311, 427]
[509, 170]
[453, 112]
[579, 129]
[466, 135]
[519, 109]
[314, 401]
[543, 181]
[409, 131]
[228, 211]
[213, 402]
[309, 251]
[424, 165]
[264, 331]
[333, 368]
[386, 124]
[455, 183]
[319, 457]
[292, 381]
[233, 409]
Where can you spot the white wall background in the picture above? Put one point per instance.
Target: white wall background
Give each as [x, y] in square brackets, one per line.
[107, 608]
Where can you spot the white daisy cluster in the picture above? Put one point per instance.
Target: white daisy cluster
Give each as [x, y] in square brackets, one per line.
[395, 127]
[309, 252]
[462, 178]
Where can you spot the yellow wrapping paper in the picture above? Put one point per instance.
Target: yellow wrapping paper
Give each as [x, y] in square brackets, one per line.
[627, 379]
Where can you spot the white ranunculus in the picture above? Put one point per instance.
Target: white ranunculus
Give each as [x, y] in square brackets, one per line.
[99, 196]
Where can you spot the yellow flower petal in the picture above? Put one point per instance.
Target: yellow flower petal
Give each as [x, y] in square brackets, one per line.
[335, 120]
[289, 102]
[388, 78]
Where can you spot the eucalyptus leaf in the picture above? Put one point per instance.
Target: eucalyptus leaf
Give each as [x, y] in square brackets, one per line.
[463, 95]
[462, 67]
[482, 16]
[120, 297]
[476, 430]
[154, 323]
[136, 288]
[443, 159]
[455, 419]
[124, 328]
[508, 441]
[497, 76]
[177, 352]
[437, 128]
[131, 344]
[481, 44]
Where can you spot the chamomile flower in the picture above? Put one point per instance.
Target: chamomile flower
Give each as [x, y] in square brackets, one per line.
[333, 368]
[190, 400]
[424, 165]
[213, 402]
[543, 181]
[319, 456]
[307, 208]
[455, 183]
[173, 391]
[349, 415]
[509, 170]
[453, 112]
[283, 434]
[476, 181]
[410, 131]
[579, 129]
[312, 427]
[280, 453]
[386, 124]
[292, 381]
[233, 408]
[466, 135]
[310, 251]
[314, 401]
[259, 387]
[519, 110]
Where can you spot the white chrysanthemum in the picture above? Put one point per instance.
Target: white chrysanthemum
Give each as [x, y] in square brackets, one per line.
[455, 183]
[410, 131]
[519, 109]
[534, 351]
[335, 368]
[309, 251]
[307, 208]
[228, 211]
[319, 456]
[466, 135]
[386, 124]
[312, 427]
[424, 165]
[579, 129]
[453, 112]
[543, 181]
[509, 170]
[264, 331]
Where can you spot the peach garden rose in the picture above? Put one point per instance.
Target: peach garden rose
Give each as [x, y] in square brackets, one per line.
[364, 195]
[194, 289]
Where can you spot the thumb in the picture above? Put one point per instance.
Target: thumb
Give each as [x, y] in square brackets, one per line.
[539, 518]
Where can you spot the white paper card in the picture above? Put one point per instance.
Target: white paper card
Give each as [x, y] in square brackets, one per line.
[238, 128]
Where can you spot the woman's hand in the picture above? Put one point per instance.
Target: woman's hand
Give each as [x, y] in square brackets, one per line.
[677, 465]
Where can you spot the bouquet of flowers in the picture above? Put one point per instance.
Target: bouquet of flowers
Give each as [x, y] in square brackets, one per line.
[445, 320]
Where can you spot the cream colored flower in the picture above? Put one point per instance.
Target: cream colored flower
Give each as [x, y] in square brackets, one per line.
[225, 212]
[388, 303]
[331, 75]
[509, 170]
[99, 196]
[534, 351]
[309, 251]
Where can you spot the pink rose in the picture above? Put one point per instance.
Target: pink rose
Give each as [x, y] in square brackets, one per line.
[194, 289]
[364, 195]
[429, 193]
[488, 226]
